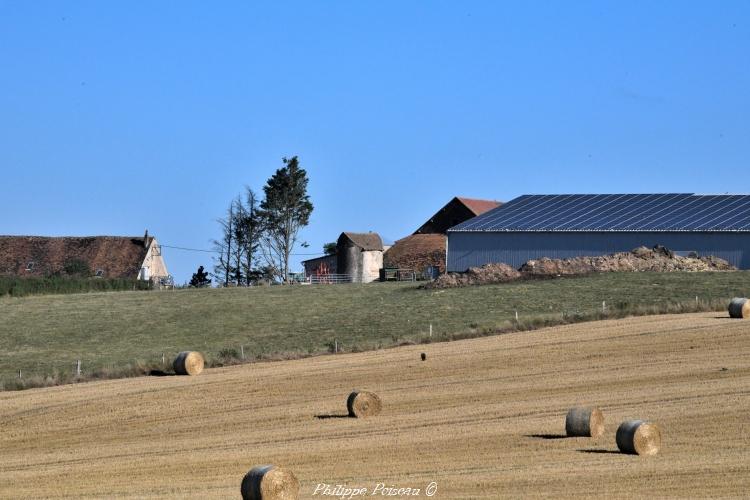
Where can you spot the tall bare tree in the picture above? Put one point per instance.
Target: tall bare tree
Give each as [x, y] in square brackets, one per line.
[239, 250]
[224, 247]
[251, 229]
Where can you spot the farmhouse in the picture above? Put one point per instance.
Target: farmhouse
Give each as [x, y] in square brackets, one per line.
[562, 226]
[424, 251]
[99, 256]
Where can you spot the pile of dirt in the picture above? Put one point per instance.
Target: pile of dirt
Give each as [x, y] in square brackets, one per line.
[657, 259]
[485, 275]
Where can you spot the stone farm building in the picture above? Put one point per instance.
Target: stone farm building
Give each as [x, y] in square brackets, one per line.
[562, 226]
[424, 251]
[358, 255]
[98, 256]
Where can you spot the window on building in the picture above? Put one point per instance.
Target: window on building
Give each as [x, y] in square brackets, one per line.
[30, 266]
[99, 273]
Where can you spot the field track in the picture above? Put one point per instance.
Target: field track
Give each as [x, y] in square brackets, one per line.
[479, 417]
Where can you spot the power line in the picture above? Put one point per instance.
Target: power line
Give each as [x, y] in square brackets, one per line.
[217, 251]
[188, 249]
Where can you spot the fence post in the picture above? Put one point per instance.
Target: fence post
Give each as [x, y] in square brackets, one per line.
[242, 351]
[335, 346]
[163, 359]
[430, 329]
[516, 314]
[78, 367]
[19, 374]
[604, 306]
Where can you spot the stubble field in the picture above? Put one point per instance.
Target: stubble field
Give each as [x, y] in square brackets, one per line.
[480, 418]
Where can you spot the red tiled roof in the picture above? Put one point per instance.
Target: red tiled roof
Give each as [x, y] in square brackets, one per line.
[117, 256]
[479, 206]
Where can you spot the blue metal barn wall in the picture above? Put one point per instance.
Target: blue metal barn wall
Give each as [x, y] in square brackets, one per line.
[477, 248]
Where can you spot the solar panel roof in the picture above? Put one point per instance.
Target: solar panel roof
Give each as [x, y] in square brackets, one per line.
[616, 212]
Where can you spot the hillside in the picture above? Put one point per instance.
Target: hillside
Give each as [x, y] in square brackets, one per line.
[44, 334]
[479, 417]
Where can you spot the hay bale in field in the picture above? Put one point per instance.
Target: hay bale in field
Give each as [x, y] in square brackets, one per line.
[268, 482]
[739, 308]
[638, 437]
[363, 404]
[582, 421]
[188, 363]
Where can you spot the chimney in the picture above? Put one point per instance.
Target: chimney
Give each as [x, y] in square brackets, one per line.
[145, 239]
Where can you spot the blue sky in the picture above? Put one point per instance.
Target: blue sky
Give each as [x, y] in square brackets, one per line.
[121, 116]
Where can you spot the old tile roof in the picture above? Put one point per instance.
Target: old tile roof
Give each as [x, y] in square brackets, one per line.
[417, 252]
[479, 206]
[117, 256]
[366, 241]
[456, 211]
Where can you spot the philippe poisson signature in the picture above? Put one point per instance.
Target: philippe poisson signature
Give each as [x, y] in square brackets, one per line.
[346, 492]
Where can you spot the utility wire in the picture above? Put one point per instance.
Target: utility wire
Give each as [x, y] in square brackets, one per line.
[217, 251]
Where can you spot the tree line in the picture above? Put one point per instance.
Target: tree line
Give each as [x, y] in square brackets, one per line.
[259, 234]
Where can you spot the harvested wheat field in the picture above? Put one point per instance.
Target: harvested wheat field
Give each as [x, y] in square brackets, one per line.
[480, 418]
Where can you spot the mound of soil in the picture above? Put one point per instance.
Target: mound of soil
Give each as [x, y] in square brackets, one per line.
[657, 259]
[488, 273]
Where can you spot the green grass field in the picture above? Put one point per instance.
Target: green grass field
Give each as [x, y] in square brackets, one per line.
[45, 334]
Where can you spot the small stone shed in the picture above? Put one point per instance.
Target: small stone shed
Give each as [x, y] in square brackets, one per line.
[360, 255]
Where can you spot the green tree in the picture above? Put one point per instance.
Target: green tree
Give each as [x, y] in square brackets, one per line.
[329, 248]
[285, 209]
[200, 279]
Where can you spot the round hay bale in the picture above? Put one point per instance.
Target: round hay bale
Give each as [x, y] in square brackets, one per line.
[188, 363]
[638, 437]
[363, 404]
[268, 482]
[739, 308]
[582, 421]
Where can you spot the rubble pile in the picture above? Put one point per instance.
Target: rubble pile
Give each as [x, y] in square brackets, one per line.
[657, 259]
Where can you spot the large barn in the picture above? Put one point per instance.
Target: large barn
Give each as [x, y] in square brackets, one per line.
[424, 251]
[562, 226]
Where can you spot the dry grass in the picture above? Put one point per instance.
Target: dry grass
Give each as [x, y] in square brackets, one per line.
[477, 417]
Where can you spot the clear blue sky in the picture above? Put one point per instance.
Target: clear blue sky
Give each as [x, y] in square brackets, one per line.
[121, 116]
